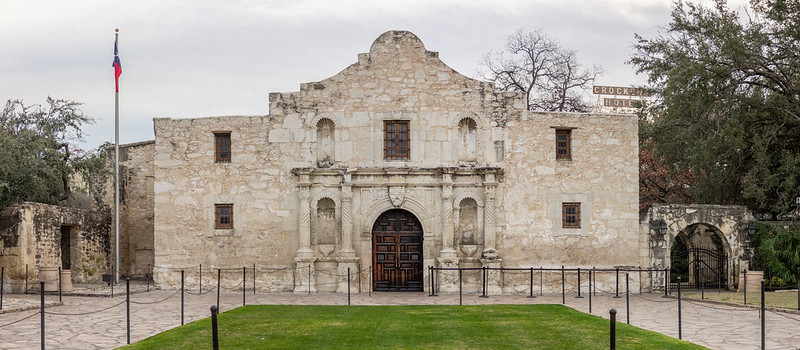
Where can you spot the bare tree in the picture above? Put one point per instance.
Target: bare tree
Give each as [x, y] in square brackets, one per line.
[535, 63]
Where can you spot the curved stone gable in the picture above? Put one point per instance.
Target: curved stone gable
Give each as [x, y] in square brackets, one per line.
[397, 73]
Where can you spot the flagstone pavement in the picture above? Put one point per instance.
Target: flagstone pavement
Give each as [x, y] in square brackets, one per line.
[84, 322]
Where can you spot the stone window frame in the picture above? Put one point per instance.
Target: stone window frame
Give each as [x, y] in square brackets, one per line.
[563, 144]
[219, 153]
[571, 215]
[219, 217]
[392, 152]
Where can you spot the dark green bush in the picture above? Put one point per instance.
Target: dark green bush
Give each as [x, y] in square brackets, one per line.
[776, 251]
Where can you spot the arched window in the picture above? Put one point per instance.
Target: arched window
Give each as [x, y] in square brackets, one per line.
[326, 144]
[467, 140]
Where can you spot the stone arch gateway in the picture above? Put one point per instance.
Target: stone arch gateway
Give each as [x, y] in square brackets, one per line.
[716, 245]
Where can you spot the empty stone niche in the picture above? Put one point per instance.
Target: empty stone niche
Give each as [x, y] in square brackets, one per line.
[469, 230]
[326, 224]
[467, 140]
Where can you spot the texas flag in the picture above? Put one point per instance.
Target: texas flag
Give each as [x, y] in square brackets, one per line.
[117, 65]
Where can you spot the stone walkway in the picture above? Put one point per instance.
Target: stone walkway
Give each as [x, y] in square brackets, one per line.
[77, 324]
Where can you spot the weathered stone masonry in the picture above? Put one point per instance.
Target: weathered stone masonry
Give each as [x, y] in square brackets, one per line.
[308, 181]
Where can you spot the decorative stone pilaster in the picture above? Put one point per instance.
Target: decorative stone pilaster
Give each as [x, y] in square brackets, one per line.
[447, 215]
[347, 216]
[494, 278]
[343, 264]
[304, 214]
[489, 228]
[304, 275]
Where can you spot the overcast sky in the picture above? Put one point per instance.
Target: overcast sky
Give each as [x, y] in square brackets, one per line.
[185, 59]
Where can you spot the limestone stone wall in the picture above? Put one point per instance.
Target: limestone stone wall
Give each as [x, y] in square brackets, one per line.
[188, 183]
[136, 207]
[308, 181]
[602, 176]
[31, 234]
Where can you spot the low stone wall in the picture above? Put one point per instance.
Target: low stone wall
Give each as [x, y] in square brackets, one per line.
[31, 238]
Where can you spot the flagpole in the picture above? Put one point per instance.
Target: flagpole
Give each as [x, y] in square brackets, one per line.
[116, 175]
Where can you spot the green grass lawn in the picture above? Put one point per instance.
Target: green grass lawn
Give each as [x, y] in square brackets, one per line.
[408, 327]
[784, 300]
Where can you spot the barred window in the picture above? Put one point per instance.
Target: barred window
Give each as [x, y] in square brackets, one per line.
[563, 144]
[571, 215]
[222, 142]
[396, 141]
[223, 216]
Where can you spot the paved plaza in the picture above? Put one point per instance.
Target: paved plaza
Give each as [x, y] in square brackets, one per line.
[80, 324]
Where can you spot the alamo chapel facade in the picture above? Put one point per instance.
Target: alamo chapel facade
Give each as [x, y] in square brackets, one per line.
[394, 164]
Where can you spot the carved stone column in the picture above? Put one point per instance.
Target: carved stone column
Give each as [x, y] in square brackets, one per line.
[448, 280]
[305, 274]
[489, 229]
[447, 215]
[347, 215]
[304, 216]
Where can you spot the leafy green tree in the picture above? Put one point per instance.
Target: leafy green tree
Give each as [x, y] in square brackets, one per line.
[727, 101]
[37, 160]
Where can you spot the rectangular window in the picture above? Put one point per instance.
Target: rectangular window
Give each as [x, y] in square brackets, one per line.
[222, 142]
[563, 144]
[223, 216]
[571, 215]
[396, 140]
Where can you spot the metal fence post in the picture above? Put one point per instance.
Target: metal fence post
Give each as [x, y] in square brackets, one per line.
[763, 317]
[459, 287]
[214, 331]
[182, 298]
[26, 280]
[616, 295]
[563, 291]
[531, 285]
[798, 291]
[679, 309]
[41, 311]
[613, 314]
[254, 279]
[348, 286]
[244, 282]
[128, 308]
[579, 283]
[666, 282]
[201, 278]
[59, 284]
[430, 281]
[219, 277]
[627, 301]
[2, 279]
[590, 290]
[483, 295]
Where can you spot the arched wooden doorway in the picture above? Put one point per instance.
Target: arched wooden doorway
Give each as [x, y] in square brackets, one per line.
[397, 252]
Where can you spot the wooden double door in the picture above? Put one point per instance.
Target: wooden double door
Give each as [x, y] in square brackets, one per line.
[397, 252]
